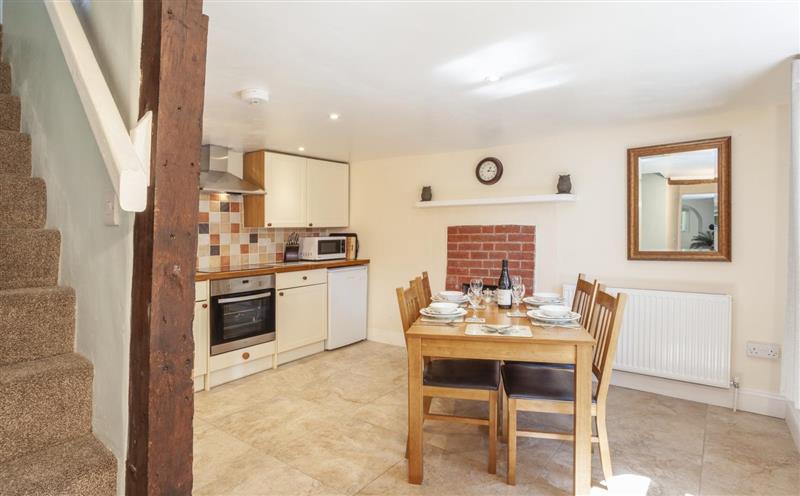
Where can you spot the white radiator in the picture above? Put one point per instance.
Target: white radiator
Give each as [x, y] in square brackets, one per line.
[681, 336]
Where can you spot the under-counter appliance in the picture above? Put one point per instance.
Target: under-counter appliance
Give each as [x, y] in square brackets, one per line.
[323, 248]
[242, 313]
[347, 306]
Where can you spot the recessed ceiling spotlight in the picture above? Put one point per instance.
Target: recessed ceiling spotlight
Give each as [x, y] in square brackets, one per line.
[301, 148]
[254, 96]
[492, 78]
[334, 117]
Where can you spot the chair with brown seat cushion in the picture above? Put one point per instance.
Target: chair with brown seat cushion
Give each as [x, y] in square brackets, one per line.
[552, 390]
[454, 378]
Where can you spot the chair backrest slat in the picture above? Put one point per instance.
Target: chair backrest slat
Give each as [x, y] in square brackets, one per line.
[409, 302]
[426, 287]
[604, 327]
[583, 301]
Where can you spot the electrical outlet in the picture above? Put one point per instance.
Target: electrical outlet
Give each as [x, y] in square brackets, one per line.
[763, 350]
[110, 209]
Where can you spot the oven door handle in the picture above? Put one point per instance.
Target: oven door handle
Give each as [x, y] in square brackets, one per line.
[258, 296]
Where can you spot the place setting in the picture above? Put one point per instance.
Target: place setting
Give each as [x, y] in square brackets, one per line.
[442, 313]
[555, 316]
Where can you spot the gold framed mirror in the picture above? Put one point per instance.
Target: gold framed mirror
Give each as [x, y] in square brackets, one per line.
[679, 201]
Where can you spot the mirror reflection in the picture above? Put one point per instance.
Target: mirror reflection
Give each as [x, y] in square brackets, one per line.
[679, 201]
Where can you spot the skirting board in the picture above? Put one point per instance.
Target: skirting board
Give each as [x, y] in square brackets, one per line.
[393, 337]
[793, 421]
[750, 400]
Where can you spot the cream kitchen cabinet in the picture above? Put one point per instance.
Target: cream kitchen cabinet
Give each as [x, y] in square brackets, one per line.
[301, 314]
[200, 331]
[300, 191]
[328, 193]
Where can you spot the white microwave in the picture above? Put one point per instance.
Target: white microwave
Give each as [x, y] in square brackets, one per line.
[319, 248]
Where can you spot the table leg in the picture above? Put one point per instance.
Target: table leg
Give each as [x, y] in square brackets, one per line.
[415, 413]
[582, 466]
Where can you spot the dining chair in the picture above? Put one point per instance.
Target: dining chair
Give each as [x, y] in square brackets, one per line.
[426, 287]
[552, 390]
[462, 379]
[422, 285]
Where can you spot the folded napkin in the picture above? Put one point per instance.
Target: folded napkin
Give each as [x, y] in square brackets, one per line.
[515, 330]
[568, 325]
[441, 321]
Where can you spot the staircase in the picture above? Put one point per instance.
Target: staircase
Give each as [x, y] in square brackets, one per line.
[46, 441]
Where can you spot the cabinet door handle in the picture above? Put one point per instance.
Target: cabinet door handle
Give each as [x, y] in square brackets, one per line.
[269, 224]
[310, 224]
[305, 278]
[246, 355]
[280, 294]
[205, 305]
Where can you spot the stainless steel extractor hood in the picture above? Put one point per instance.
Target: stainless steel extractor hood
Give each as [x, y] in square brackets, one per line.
[216, 166]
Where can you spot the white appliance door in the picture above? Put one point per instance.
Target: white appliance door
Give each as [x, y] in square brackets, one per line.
[347, 306]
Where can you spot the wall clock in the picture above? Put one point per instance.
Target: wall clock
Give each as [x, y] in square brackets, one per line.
[489, 170]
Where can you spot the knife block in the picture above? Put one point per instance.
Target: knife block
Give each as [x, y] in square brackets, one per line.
[291, 253]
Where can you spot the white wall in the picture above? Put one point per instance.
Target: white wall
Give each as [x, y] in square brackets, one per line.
[95, 260]
[589, 235]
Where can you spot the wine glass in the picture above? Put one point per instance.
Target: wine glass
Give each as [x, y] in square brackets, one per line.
[517, 290]
[476, 285]
[474, 301]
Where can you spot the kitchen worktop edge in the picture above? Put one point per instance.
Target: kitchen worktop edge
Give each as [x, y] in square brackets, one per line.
[294, 267]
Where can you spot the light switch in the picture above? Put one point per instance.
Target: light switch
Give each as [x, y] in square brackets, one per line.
[110, 209]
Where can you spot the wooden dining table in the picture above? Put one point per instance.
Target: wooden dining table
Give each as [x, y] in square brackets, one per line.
[548, 344]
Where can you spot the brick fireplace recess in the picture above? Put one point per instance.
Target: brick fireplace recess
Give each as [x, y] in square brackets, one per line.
[478, 251]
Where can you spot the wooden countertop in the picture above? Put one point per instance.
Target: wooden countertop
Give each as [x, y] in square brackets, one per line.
[276, 268]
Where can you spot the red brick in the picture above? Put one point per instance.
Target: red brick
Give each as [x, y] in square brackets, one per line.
[455, 255]
[508, 246]
[522, 238]
[507, 229]
[498, 255]
[478, 272]
[469, 229]
[457, 238]
[452, 229]
[459, 271]
[492, 264]
[487, 247]
[513, 264]
[488, 237]
[487, 229]
[469, 246]
[520, 255]
[526, 264]
[528, 229]
[452, 246]
[530, 247]
[482, 255]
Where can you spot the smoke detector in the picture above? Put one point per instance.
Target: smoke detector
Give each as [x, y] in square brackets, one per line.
[254, 96]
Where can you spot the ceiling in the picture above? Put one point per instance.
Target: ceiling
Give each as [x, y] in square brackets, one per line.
[411, 78]
[694, 164]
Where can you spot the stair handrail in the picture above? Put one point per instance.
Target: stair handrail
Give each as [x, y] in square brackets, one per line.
[126, 155]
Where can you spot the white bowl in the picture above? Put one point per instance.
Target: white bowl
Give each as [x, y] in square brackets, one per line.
[555, 310]
[547, 296]
[451, 295]
[442, 307]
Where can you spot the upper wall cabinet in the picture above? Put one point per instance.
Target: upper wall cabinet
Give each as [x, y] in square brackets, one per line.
[301, 192]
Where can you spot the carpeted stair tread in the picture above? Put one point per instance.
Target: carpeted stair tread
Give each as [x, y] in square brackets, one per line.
[5, 76]
[30, 258]
[82, 466]
[44, 402]
[23, 202]
[15, 153]
[9, 112]
[36, 323]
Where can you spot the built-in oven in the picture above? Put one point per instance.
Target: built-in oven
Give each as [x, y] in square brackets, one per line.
[242, 312]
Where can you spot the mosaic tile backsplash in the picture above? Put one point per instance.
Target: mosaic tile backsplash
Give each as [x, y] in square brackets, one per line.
[223, 241]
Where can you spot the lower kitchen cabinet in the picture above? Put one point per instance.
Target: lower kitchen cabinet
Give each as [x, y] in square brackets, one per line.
[200, 331]
[301, 316]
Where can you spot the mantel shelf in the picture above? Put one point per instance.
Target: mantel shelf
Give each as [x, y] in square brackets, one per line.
[499, 200]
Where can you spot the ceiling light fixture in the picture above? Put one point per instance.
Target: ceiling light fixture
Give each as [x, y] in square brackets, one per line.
[254, 96]
[492, 78]
[334, 117]
[301, 149]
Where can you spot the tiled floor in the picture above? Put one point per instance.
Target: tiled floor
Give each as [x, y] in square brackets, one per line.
[335, 423]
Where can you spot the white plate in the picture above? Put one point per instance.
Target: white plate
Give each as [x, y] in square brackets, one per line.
[546, 296]
[463, 299]
[536, 314]
[460, 312]
[451, 295]
[531, 300]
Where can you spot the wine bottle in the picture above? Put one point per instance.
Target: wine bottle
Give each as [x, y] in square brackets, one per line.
[504, 287]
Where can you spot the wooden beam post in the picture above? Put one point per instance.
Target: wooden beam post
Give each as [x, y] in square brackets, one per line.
[161, 402]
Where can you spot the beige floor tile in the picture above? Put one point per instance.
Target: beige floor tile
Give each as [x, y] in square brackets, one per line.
[335, 423]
